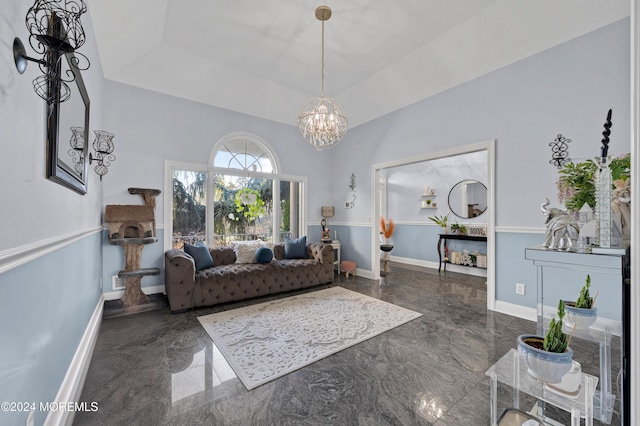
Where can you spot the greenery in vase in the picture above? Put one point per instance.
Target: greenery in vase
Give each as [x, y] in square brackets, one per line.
[555, 340]
[250, 204]
[457, 227]
[585, 301]
[576, 182]
[440, 220]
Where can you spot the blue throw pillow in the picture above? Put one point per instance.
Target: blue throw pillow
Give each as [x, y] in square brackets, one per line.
[264, 255]
[200, 253]
[295, 249]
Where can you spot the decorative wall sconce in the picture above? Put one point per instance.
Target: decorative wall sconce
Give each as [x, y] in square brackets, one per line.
[102, 145]
[54, 30]
[560, 151]
[352, 186]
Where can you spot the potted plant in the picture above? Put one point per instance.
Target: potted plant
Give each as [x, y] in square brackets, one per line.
[441, 221]
[457, 228]
[547, 358]
[582, 312]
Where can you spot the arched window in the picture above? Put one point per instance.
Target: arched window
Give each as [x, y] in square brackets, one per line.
[245, 153]
[239, 195]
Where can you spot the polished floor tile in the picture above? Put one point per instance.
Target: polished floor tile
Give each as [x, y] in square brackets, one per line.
[159, 368]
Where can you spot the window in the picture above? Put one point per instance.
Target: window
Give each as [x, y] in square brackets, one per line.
[239, 196]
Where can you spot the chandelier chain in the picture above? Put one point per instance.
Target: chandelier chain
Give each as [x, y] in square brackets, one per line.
[322, 91]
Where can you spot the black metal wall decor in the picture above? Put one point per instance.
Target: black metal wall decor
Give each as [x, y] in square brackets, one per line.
[55, 29]
[560, 151]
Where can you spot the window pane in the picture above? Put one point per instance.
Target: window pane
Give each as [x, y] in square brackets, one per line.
[243, 209]
[244, 155]
[290, 205]
[189, 207]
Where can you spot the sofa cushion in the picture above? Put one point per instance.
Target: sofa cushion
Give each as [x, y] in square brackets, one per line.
[246, 253]
[200, 253]
[264, 255]
[295, 249]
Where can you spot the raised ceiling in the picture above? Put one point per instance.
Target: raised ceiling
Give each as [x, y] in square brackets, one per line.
[263, 58]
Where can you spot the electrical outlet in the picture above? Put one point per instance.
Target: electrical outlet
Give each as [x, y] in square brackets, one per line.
[520, 289]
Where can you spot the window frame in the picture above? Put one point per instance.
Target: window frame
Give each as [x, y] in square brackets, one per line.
[276, 177]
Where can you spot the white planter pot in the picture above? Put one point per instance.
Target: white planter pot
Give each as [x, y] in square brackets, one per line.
[581, 317]
[549, 367]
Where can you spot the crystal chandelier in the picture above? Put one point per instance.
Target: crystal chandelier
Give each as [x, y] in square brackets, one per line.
[322, 120]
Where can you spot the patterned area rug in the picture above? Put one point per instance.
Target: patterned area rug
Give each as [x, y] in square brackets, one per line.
[266, 341]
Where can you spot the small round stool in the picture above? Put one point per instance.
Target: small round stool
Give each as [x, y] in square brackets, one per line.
[348, 266]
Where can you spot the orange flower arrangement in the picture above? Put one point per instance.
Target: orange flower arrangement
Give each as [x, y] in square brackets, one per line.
[387, 230]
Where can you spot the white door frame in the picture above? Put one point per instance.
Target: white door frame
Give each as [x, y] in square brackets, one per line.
[488, 146]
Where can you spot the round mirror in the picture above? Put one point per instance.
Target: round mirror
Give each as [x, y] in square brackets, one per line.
[468, 198]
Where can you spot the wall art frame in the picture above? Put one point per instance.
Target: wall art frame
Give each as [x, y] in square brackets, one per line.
[68, 165]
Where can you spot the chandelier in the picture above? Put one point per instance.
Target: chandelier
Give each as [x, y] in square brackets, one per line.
[322, 120]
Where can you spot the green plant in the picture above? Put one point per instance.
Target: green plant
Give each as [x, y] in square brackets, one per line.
[457, 227]
[585, 301]
[576, 181]
[442, 220]
[555, 340]
[249, 203]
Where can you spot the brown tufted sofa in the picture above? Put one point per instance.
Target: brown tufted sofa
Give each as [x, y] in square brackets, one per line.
[228, 281]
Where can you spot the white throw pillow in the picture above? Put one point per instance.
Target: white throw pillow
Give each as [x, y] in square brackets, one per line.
[246, 252]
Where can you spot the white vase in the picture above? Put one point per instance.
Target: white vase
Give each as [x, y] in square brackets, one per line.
[549, 367]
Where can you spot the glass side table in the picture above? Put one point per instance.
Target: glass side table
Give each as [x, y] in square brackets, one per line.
[510, 371]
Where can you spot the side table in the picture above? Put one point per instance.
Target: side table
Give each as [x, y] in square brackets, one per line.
[336, 259]
[510, 371]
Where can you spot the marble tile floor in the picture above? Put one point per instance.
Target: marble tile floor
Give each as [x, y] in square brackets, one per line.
[159, 368]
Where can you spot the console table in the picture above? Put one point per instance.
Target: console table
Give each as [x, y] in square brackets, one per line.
[445, 237]
[615, 264]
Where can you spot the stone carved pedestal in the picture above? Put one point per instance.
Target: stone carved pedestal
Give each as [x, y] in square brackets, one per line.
[133, 227]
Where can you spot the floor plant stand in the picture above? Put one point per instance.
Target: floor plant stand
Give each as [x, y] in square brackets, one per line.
[609, 264]
[512, 372]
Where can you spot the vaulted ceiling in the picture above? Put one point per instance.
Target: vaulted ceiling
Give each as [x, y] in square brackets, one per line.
[264, 58]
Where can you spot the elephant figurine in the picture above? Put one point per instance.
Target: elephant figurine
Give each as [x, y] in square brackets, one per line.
[562, 229]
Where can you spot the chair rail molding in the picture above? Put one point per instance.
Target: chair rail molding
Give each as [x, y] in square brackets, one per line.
[17, 256]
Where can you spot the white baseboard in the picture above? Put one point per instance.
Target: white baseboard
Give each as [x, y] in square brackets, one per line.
[514, 310]
[479, 272]
[114, 295]
[73, 382]
[531, 314]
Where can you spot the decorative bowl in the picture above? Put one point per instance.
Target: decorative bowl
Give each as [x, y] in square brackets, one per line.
[581, 317]
[549, 367]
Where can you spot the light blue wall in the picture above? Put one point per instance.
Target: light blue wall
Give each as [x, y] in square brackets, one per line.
[558, 283]
[45, 303]
[154, 127]
[420, 242]
[567, 89]
[45, 306]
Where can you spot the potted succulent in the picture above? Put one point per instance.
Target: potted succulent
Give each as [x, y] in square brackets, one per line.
[459, 229]
[582, 312]
[548, 358]
[441, 221]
